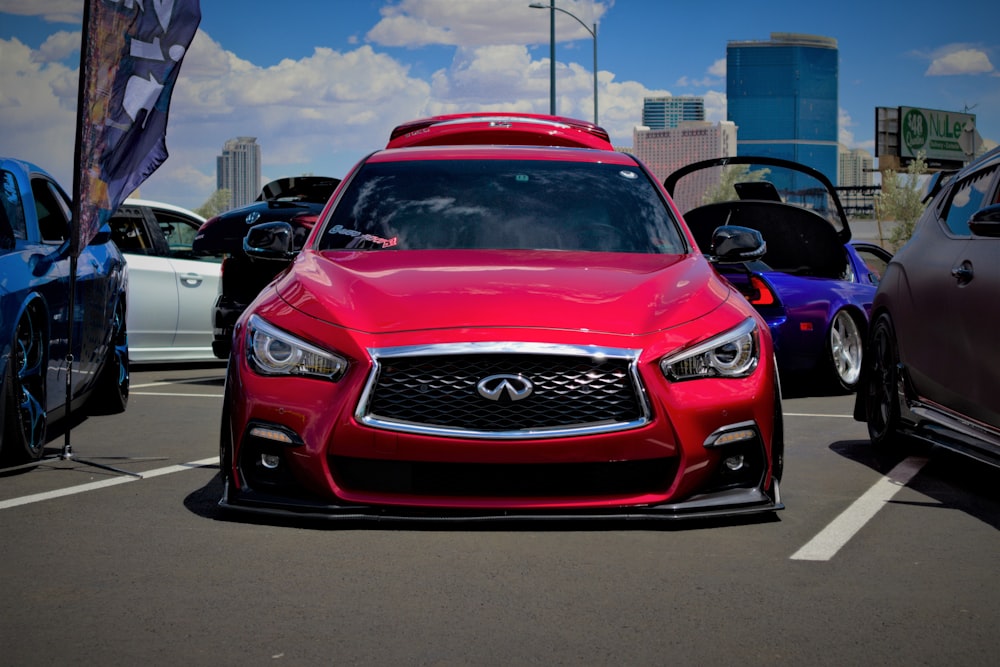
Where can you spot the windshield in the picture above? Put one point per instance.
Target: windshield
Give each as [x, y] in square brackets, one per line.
[502, 204]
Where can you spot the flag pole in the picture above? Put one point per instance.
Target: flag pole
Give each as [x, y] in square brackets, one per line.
[75, 246]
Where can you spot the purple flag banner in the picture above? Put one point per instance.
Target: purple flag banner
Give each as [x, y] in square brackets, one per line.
[130, 56]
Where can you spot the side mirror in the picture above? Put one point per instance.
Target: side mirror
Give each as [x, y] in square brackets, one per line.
[986, 222]
[736, 244]
[270, 240]
[102, 236]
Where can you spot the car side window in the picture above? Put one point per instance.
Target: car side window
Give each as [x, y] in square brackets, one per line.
[128, 230]
[179, 232]
[53, 216]
[875, 261]
[12, 224]
[968, 196]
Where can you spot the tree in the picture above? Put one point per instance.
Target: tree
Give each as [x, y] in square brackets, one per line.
[901, 201]
[216, 204]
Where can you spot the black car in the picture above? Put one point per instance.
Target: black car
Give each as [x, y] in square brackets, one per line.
[932, 360]
[297, 200]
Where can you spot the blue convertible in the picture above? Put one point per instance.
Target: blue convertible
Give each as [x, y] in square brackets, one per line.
[813, 286]
[35, 319]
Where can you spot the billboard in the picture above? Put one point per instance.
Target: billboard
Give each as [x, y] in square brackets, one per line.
[947, 139]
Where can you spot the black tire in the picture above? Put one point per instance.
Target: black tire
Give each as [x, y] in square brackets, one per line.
[110, 395]
[25, 422]
[845, 350]
[881, 390]
[225, 444]
[778, 437]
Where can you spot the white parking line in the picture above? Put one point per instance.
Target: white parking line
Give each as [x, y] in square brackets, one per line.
[838, 532]
[167, 393]
[816, 414]
[93, 486]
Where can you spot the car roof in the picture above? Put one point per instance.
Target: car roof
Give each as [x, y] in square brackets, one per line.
[550, 153]
[500, 128]
[13, 163]
[132, 201]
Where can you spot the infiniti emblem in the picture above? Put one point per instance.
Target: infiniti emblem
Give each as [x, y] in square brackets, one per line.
[515, 387]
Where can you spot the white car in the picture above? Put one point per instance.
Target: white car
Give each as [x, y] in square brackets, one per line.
[171, 289]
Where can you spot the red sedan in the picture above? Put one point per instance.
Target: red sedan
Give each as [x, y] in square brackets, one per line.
[501, 331]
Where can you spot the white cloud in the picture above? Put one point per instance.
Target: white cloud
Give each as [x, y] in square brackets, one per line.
[716, 76]
[475, 23]
[53, 11]
[59, 46]
[845, 132]
[322, 112]
[37, 110]
[957, 59]
[715, 105]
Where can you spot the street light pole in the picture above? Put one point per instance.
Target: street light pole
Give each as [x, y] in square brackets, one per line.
[552, 57]
[552, 51]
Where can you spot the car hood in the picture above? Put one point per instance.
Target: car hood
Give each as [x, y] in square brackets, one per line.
[393, 291]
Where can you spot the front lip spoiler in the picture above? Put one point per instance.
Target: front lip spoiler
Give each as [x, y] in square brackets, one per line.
[723, 504]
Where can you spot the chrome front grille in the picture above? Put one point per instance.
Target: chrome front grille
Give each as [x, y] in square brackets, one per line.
[436, 390]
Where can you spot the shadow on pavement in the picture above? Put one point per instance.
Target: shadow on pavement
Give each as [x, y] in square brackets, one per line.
[952, 480]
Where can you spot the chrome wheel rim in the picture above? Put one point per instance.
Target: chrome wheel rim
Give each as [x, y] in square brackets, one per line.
[846, 349]
[29, 388]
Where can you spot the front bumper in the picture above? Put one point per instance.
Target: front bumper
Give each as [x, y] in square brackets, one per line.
[723, 504]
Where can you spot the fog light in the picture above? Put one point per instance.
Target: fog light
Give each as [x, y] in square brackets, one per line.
[734, 463]
[270, 461]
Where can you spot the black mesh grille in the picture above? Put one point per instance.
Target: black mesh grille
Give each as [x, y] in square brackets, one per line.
[568, 392]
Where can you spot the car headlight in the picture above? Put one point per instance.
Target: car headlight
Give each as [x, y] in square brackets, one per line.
[732, 354]
[272, 351]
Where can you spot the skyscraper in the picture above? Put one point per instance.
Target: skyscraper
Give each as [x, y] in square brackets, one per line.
[238, 170]
[782, 94]
[661, 113]
[856, 167]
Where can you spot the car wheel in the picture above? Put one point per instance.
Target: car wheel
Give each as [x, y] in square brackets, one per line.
[226, 445]
[881, 392]
[845, 349]
[226, 451]
[25, 418]
[778, 438]
[111, 392]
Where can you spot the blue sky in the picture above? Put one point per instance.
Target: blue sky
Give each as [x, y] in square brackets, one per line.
[321, 83]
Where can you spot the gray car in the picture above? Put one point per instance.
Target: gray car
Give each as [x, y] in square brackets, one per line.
[932, 366]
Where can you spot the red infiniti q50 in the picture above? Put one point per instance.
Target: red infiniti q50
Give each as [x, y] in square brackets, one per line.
[482, 331]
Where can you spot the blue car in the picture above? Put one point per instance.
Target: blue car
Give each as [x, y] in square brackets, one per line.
[35, 319]
[813, 285]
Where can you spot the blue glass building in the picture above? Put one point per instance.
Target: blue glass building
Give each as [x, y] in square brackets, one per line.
[782, 96]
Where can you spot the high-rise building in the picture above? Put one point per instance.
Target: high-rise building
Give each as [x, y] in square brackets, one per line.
[856, 168]
[665, 151]
[661, 113]
[782, 93]
[238, 170]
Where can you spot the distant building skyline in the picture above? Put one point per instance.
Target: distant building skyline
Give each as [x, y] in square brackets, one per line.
[661, 113]
[665, 151]
[238, 169]
[856, 167]
[783, 95]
